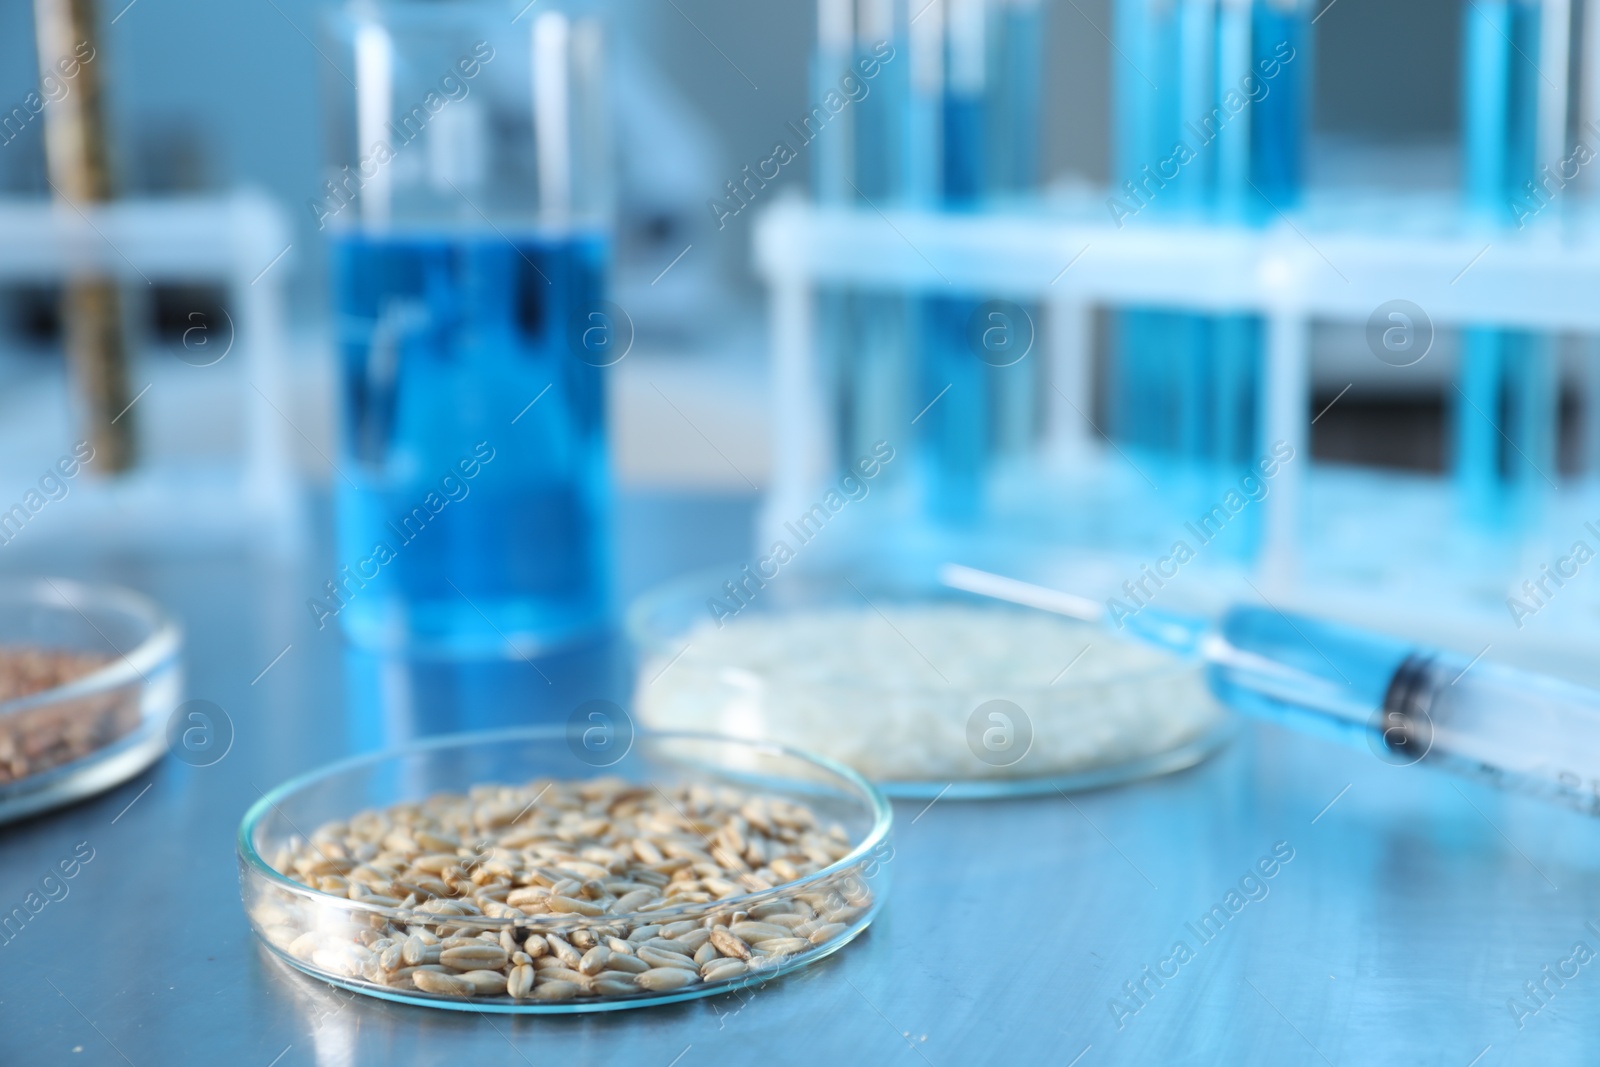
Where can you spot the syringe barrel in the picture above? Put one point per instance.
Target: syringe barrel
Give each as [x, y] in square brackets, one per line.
[1520, 730]
[1319, 676]
[1523, 731]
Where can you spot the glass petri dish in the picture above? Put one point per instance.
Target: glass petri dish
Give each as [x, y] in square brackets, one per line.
[328, 936]
[71, 741]
[924, 690]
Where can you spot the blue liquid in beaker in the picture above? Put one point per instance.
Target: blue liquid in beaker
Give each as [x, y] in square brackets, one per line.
[474, 492]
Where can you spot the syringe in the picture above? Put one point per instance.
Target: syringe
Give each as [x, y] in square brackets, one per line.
[1410, 704]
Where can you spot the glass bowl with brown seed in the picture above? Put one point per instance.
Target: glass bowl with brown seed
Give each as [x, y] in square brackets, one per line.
[506, 872]
[88, 678]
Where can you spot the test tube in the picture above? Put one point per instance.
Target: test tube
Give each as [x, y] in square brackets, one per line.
[1279, 67]
[832, 156]
[880, 115]
[1193, 376]
[861, 57]
[1278, 120]
[1234, 198]
[924, 104]
[1135, 381]
[1266, 56]
[956, 428]
[1014, 96]
[879, 368]
[1515, 109]
[964, 143]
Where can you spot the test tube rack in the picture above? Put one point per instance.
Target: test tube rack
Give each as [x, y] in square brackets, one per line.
[173, 499]
[1311, 268]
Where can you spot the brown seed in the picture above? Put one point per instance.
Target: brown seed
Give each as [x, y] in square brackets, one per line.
[448, 985]
[728, 858]
[755, 932]
[729, 943]
[556, 991]
[666, 979]
[303, 946]
[563, 951]
[536, 945]
[571, 906]
[527, 896]
[436, 842]
[614, 984]
[585, 870]
[657, 958]
[667, 944]
[486, 983]
[561, 974]
[631, 964]
[474, 957]
[722, 969]
[520, 982]
[594, 961]
[633, 901]
[695, 938]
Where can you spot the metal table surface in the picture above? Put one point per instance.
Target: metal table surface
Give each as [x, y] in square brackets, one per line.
[1406, 913]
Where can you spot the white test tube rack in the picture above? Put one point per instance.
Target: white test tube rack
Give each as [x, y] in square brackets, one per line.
[184, 501]
[1292, 273]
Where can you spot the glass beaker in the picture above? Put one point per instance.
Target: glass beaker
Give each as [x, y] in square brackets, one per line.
[468, 210]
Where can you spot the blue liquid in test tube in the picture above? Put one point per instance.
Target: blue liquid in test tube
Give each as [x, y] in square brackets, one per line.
[830, 185]
[1280, 40]
[957, 429]
[1166, 90]
[1508, 382]
[1014, 100]
[879, 331]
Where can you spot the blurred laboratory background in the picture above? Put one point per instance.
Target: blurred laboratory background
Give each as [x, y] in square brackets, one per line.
[1087, 269]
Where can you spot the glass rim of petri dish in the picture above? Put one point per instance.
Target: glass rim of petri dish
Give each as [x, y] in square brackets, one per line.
[658, 624]
[163, 637]
[876, 802]
[646, 633]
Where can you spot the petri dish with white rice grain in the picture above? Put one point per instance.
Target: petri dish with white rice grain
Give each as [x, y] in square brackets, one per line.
[924, 690]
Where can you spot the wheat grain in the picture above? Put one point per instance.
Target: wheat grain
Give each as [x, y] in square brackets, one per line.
[541, 892]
